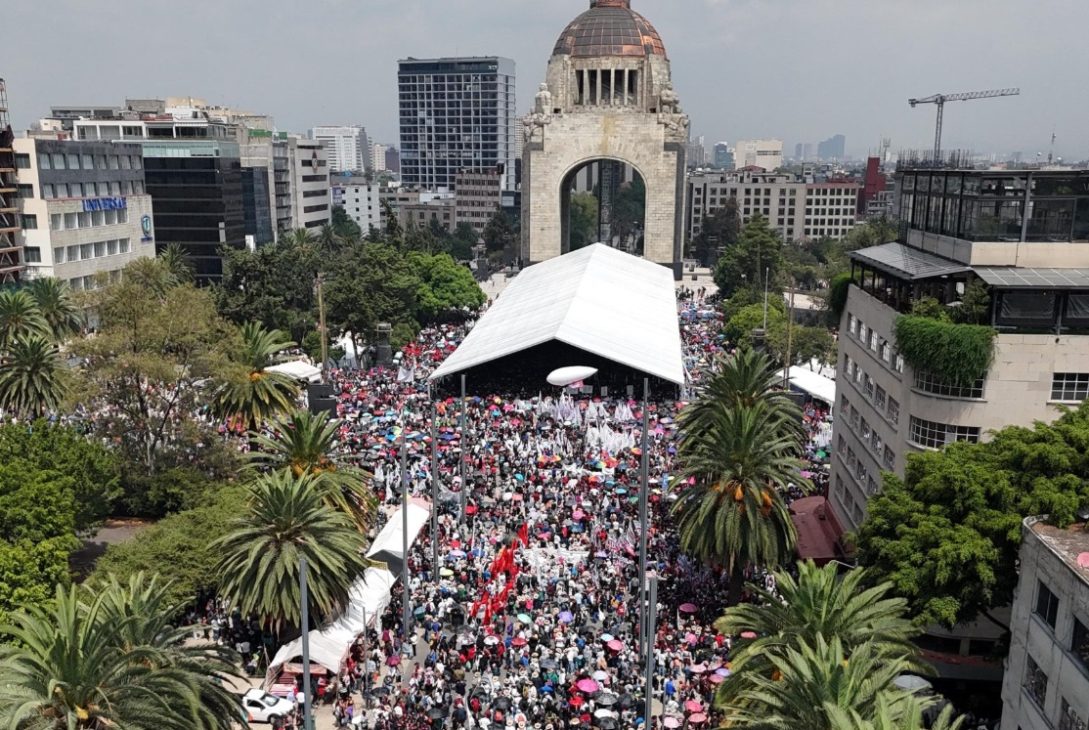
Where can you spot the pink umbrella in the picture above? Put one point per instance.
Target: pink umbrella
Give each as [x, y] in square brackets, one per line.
[671, 722]
[716, 679]
[588, 686]
[697, 719]
[690, 638]
[616, 645]
[688, 608]
[698, 668]
[748, 634]
[693, 706]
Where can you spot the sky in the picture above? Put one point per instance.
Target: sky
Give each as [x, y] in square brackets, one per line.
[797, 70]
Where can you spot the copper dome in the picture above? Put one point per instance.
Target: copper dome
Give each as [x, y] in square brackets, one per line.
[610, 28]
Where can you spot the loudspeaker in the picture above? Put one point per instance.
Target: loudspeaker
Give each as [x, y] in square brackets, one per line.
[319, 390]
[323, 405]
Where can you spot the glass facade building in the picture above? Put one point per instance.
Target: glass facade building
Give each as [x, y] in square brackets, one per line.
[456, 114]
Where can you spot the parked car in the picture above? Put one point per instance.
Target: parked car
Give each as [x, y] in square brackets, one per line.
[260, 706]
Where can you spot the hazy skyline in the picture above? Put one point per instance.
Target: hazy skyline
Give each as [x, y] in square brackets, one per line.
[799, 70]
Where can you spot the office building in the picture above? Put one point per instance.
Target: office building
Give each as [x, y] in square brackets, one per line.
[800, 211]
[347, 149]
[1046, 684]
[431, 213]
[832, 149]
[11, 239]
[763, 153]
[308, 183]
[456, 114]
[393, 160]
[724, 156]
[478, 196]
[961, 226]
[378, 157]
[697, 153]
[874, 182]
[360, 199]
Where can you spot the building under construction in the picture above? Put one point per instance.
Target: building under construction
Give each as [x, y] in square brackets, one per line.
[10, 230]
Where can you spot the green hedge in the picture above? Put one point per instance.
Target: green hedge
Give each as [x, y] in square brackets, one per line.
[957, 353]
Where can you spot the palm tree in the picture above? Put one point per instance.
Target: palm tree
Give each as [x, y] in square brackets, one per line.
[32, 377]
[91, 660]
[258, 394]
[810, 683]
[287, 520]
[733, 515]
[818, 603]
[54, 300]
[907, 716]
[177, 262]
[297, 237]
[302, 444]
[20, 316]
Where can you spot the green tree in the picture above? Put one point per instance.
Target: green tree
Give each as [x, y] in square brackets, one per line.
[54, 300]
[32, 377]
[20, 317]
[499, 235]
[818, 603]
[974, 306]
[393, 234]
[758, 255]
[302, 444]
[739, 327]
[963, 507]
[737, 451]
[871, 233]
[93, 660]
[178, 263]
[806, 344]
[254, 394]
[343, 227]
[630, 210]
[583, 224]
[722, 228]
[462, 242]
[368, 284]
[287, 520]
[182, 541]
[445, 286]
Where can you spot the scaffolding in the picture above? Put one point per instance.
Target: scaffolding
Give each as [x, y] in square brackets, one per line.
[10, 230]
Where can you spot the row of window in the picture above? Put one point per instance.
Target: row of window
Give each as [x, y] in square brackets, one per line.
[885, 404]
[875, 342]
[53, 191]
[88, 251]
[931, 383]
[92, 219]
[74, 161]
[934, 435]
[87, 283]
[867, 434]
[1036, 681]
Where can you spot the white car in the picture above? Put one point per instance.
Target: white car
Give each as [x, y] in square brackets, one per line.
[260, 706]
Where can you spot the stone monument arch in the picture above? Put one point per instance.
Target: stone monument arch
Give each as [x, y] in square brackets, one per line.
[608, 96]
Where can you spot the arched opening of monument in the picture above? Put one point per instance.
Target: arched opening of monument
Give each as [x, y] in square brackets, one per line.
[603, 201]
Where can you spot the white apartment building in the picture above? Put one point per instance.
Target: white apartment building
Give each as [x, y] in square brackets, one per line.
[799, 211]
[85, 211]
[1046, 684]
[360, 200]
[765, 153]
[304, 202]
[347, 148]
[378, 156]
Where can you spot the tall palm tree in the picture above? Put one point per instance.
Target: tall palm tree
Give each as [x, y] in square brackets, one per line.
[87, 661]
[298, 237]
[733, 514]
[258, 394]
[818, 603]
[812, 682]
[32, 377]
[303, 444]
[20, 316]
[54, 300]
[910, 715]
[287, 519]
[177, 262]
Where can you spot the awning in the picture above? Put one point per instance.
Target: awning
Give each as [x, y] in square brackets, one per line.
[905, 262]
[388, 547]
[813, 383]
[818, 531]
[297, 370]
[1016, 277]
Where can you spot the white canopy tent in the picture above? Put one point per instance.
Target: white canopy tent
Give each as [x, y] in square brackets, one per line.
[812, 383]
[367, 599]
[297, 370]
[597, 299]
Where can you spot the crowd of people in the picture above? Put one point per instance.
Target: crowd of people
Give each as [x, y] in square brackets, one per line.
[530, 618]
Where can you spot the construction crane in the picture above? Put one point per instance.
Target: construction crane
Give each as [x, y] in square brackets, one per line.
[940, 99]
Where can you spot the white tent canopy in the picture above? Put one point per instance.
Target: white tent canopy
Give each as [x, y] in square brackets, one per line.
[813, 383]
[297, 370]
[367, 600]
[597, 299]
[388, 546]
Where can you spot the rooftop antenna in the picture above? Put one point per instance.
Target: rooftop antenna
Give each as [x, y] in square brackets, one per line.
[1051, 150]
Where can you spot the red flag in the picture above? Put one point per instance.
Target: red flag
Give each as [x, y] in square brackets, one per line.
[523, 535]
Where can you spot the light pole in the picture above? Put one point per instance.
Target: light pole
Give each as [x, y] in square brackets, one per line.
[305, 610]
[434, 492]
[652, 590]
[464, 451]
[406, 614]
[643, 499]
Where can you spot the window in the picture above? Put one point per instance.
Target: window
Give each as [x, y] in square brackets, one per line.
[1035, 682]
[44, 162]
[868, 386]
[1079, 643]
[58, 255]
[935, 435]
[873, 341]
[865, 430]
[32, 255]
[73, 162]
[48, 191]
[1047, 604]
[1068, 718]
[1072, 387]
[862, 332]
[893, 411]
[56, 222]
[71, 220]
[73, 253]
[886, 351]
[899, 363]
[26, 191]
[87, 162]
[123, 245]
[58, 161]
[22, 162]
[927, 381]
[111, 248]
[889, 459]
[29, 222]
[879, 396]
[86, 251]
[100, 248]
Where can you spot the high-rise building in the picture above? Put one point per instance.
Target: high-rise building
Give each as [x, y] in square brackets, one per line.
[1046, 683]
[478, 196]
[764, 153]
[11, 259]
[85, 210]
[347, 148]
[378, 157]
[360, 200]
[832, 149]
[308, 173]
[697, 153]
[873, 184]
[393, 160]
[724, 156]
[456, 114]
